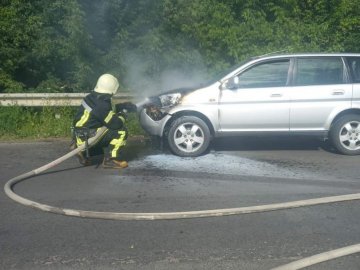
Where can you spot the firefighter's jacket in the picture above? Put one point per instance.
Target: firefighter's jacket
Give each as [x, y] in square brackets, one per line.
[96, 111]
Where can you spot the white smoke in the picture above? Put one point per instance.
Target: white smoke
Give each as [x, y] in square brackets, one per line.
[133, 67]
[143, 85]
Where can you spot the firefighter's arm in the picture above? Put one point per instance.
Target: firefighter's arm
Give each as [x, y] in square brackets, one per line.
[108, 118]
[114, 121]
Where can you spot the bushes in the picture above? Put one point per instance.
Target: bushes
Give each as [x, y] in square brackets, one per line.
[30, 122]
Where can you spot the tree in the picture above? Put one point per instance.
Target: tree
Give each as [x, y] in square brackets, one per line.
[18, 30]
[44, 42]
[63, 45]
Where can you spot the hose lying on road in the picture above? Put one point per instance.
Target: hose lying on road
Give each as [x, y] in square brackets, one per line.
[319, 258]
[179, 215]
[154, 216]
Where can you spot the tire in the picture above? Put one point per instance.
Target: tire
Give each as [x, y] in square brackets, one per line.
[345, 134]
[189, 136]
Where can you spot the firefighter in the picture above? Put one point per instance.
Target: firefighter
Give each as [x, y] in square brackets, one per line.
[95, 112]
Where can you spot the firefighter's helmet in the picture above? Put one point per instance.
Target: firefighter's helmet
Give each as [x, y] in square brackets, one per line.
[107, 84]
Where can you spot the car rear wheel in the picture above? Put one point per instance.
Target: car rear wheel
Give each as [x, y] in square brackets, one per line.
[345, 134]
[189, 136]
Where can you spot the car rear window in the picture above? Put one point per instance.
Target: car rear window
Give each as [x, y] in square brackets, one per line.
[354, 64]
[321, 70]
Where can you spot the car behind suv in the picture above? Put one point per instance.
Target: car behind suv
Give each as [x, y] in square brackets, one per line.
[312, 94]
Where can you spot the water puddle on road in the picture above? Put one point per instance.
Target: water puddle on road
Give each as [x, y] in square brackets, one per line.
[219, 163]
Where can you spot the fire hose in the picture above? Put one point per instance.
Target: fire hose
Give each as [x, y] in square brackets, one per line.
[8, 188]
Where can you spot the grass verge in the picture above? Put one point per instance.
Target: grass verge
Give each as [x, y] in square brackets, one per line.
[18, 123]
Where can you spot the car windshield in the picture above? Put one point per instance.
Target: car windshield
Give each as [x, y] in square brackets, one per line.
[217, 77]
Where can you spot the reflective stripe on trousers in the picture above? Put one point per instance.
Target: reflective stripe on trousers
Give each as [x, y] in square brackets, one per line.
[117, 143]
[114, 139]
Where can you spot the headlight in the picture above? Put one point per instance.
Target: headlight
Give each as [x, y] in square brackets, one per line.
[169, 100]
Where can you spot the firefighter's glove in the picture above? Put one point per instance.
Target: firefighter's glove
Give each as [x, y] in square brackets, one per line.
[128, 106]
[122, 116]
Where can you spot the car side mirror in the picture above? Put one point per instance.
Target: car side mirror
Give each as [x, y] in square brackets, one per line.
[232, 83]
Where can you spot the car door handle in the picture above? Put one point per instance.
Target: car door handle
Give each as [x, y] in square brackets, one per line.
[276, 95]
[338, 92]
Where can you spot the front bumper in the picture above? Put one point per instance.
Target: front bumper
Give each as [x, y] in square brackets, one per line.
[153, 127]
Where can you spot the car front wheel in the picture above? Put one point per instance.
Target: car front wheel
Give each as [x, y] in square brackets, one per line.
[189, 136]
[345, 134]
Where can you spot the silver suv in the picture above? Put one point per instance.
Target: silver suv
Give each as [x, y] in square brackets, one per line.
[312, 94]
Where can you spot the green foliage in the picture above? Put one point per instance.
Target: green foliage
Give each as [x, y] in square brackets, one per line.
[18, 27]
[63, 46]
[41, 41]
[9, 84]
[133, 125]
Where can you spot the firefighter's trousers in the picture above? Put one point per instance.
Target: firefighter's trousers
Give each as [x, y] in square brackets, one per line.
[115, 140]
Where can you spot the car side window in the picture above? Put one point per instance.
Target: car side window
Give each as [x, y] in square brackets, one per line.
[354, 64]
[268, 74]
[317, 71]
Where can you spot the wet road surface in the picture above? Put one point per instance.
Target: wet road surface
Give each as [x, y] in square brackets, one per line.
[235, 172]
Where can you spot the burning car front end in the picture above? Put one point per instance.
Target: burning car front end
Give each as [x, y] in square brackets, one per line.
[155, 112]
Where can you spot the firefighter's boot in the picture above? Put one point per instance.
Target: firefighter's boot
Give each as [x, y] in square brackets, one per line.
[110, 163]
[82, 159]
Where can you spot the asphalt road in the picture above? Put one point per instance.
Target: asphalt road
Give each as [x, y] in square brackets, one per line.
[235, 173]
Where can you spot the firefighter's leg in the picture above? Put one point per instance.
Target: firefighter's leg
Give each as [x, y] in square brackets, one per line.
[84, 157]
[117, 141]
[81, 156]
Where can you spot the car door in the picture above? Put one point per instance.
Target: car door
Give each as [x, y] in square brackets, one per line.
[259, 101]
[354, 67]
[320, 90]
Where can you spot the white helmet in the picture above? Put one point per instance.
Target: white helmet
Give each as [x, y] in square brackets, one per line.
[107, 84]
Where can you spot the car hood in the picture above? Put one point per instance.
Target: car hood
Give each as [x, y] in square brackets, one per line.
[183, 90]
[155, 100]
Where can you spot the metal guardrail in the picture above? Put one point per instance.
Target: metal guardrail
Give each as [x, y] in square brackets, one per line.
[51, 99]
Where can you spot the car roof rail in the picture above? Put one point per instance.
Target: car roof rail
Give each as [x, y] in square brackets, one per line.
[273, 53]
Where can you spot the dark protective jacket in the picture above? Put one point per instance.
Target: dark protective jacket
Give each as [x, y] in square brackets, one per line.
[96, 111]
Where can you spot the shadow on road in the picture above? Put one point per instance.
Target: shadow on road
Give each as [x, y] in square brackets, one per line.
[270, 143]
[138, 149]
